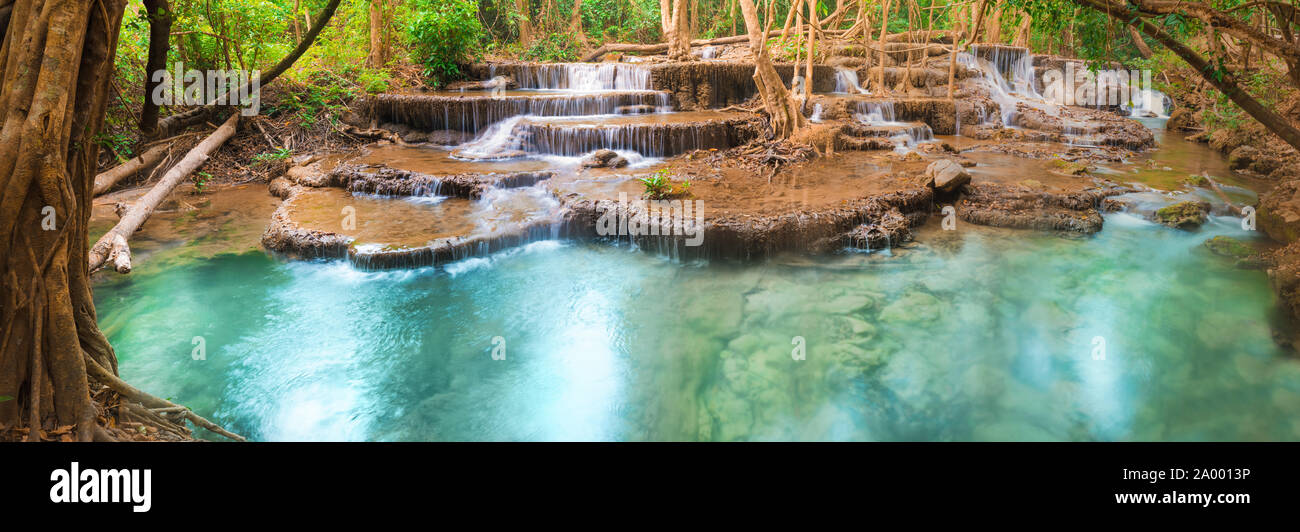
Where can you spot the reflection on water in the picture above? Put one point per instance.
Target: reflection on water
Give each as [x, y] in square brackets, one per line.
[976, 334]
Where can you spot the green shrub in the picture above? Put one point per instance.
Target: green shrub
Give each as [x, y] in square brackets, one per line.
[557, 47]
[444, 35]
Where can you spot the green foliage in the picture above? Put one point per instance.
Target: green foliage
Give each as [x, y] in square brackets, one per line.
[4, 398]
[118, 143]
[622, 20]
[659, 186]
[324, 92]
[201, 180]
[555, 47]
[277, 155]
[445, 34]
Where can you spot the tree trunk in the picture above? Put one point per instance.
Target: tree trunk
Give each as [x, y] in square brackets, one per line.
[378, 55]
[525, 23]
[113, 244]
[880, 46]
[783, 116]
[297, 28]
[575, 21]
[57, 60]
[160, 27]
[1023, 31]
[1139, 42]
[677, 29]
[994, 22]
[812, 39]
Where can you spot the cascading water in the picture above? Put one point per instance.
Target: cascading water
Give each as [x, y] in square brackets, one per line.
[497, 140]
[876, 113]
[904, 135]
[846, 82]
[1008, 73]
[583, 77]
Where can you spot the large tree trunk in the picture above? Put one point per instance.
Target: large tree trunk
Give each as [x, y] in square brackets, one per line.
[377, 55]
[677, 29]
[525, 24]
[160, 27]
[57, 60]
[782, 112]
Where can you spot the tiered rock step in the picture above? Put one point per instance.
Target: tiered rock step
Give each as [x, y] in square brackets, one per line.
[861, 136]
[938, 113]
[656, 135]
[388, 232]
[384, 181]
[473, 111]
[693, 85]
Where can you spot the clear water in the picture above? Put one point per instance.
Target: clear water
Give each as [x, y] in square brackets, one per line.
[975, 334]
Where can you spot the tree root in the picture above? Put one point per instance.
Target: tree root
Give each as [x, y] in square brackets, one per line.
[150, 405]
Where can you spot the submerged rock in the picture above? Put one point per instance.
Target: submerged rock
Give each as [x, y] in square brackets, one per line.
[1227, 246]
[1184, 215]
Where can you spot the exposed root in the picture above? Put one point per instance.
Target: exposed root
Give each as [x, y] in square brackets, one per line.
[150, 401]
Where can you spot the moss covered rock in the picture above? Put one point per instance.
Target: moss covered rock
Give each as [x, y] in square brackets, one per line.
[1227, 246]
[1184, 215]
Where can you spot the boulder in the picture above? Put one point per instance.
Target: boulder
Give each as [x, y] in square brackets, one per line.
[1184, 215]
[601, 159]
[946, 175]
[1243, 157]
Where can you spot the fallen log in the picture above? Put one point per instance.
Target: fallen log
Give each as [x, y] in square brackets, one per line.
[1222, 195]
[113, 243]
[144, 161]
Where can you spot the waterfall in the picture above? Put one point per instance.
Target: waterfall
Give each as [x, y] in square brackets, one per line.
[1008, 73]
[1150, 103]
[583, 77]
[708, 52]
[876, 113]
[816, 117]
[846, 82]
[497, 139]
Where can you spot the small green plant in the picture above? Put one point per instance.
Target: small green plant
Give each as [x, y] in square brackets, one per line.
[201, 180]
[4, 398]
[279, 154]
[659, 186]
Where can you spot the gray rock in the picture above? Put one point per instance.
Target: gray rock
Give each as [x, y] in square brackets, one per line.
[946, 175]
